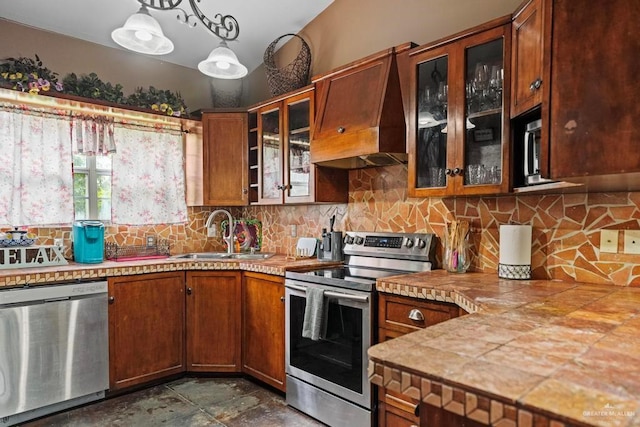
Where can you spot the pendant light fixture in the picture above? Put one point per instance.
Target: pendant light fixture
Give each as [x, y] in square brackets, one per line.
[222, 63]
[142, 33]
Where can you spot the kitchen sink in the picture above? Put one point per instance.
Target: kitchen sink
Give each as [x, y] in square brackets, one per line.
[251, 256]
[222, 255]
[202, 255]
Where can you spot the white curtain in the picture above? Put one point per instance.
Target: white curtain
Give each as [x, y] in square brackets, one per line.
[148, 177]
[92, 135]
[36, 180]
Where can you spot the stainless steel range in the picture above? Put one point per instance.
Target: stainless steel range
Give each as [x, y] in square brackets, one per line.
[327, 372]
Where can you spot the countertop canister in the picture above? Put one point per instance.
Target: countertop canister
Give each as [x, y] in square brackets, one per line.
[515, 252]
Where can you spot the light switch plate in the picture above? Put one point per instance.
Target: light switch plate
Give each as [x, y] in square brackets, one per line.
[632, 241]
[212, 232]
[609, 241]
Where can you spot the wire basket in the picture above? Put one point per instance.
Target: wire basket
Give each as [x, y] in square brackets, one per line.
[293, 76]
[116, 252]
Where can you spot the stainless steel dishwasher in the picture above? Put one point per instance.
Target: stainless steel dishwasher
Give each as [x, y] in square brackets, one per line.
[54, 342]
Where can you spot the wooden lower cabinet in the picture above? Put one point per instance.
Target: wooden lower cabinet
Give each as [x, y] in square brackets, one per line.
[263, 328]
[398, 315]
[432, 416]
[146, 328]
[213, 334]
[392, 415]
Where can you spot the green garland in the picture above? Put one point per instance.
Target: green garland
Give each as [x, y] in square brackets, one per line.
[25, 74]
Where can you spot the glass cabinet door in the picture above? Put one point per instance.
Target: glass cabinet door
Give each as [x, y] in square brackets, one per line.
[432, 102]
[484, 113]
[271, 163]
[298, 158]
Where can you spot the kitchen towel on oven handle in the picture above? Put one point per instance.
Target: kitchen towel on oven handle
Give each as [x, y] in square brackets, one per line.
[314, 314]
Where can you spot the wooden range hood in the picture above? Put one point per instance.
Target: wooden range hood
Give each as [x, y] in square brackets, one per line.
[360, 120]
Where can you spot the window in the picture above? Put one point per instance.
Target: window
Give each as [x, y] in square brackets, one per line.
[92, 187]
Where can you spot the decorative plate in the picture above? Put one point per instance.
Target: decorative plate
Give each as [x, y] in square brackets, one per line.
[6, 243]
[248, 232]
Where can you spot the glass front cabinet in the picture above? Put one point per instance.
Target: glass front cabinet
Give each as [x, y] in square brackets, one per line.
[459, 120]
[280, 168]
[285, 174]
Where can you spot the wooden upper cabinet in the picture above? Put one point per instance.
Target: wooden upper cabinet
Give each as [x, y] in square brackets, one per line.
[458, 126]
[214, 317]
[528, 56]
[281, 169]
[595, 87]
[146, 328]
[360, 112]
[225, 159]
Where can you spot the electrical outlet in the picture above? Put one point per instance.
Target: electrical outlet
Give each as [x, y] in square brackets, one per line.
[294, 230]
[151, 240]
[212, 232]
[609, 241]
[632, 241]
[59, 242]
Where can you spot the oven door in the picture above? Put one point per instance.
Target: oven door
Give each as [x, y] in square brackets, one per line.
[337, 362]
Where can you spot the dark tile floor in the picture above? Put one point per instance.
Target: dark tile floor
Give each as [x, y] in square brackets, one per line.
[187, 402]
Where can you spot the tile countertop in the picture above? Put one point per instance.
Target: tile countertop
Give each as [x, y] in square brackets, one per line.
[276, 265]
[531, 353]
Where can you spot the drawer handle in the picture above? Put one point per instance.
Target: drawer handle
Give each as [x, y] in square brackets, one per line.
[416, 315]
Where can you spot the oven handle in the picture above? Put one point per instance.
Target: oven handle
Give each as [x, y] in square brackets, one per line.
[359, 298]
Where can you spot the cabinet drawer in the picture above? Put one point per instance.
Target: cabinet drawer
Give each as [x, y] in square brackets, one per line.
[390, 416]
[404, 314]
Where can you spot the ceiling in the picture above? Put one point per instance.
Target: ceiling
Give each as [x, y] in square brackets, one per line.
[260, 22]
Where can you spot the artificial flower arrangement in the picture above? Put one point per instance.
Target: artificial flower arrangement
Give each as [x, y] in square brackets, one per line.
[26, 74]
[164, 101]
[29, 75]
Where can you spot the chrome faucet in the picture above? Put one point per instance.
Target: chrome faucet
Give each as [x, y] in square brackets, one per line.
[228, 238]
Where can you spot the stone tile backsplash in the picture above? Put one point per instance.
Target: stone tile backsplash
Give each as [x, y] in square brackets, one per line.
[566, 227]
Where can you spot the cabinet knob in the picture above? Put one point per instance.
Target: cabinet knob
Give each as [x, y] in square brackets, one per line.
[448, 172]
[341, 129]
[535, 85]
[282, 299]
[457, 171]
[112, 300]
[189, 291]
[245, 191]
[416, 315]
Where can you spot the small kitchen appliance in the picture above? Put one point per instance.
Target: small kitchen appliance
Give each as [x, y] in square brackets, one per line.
[330, 246]
[88, 242]
[327, 377]
[532, 143]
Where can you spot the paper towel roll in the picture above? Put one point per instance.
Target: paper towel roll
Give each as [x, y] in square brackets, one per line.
[515, 252]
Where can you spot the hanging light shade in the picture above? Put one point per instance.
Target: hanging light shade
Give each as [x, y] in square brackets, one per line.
[222, 63]
[142, 33]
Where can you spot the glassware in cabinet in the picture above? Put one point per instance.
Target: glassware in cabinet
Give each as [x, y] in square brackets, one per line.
[432, 110]
[270, 174]
[298, 160]
[458, 131]
[484, 100]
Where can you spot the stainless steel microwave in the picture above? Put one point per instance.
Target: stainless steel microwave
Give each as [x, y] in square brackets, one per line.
[532, 154]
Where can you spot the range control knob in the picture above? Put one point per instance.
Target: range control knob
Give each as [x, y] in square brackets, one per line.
[421, 243]
[409, 243]
[348, 239]
[359, 240]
